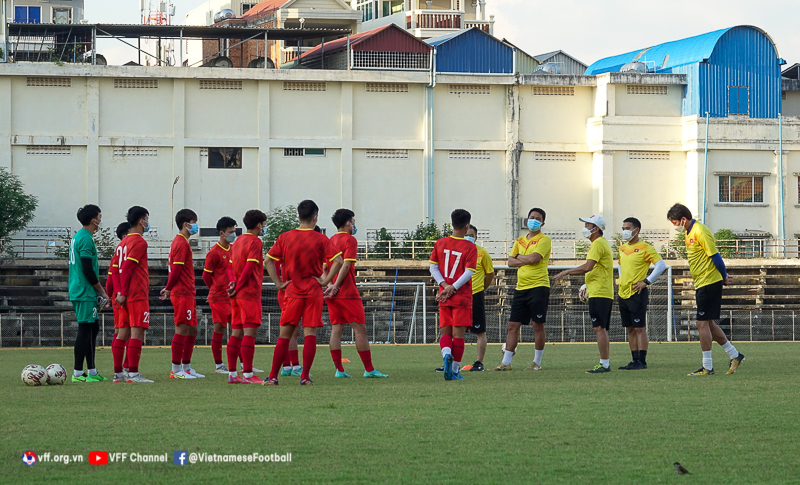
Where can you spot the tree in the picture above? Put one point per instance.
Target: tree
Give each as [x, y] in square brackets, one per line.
[726, 244]
[104, 239]
[16, 208]
[280, 220]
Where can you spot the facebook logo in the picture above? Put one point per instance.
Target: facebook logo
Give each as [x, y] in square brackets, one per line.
[179, 457]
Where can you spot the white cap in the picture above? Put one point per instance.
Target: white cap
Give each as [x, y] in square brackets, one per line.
[596, 220]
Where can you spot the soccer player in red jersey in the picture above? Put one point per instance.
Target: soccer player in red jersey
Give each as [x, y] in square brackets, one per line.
[458, 258]
[302, 253]
[182, 293]
[217, 275]
[133, 294]
[248, 273]
[120, 315]
[344, 301]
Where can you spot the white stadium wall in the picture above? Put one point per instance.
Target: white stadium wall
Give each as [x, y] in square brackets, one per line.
[574, 145]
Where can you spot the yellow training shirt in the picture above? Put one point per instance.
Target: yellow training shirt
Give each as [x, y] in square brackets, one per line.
[533, 275]
[634, 261]
[700, 246]
[485, 267]
[600, 280]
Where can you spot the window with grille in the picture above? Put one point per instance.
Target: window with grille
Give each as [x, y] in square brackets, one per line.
[413, 61]
[48, 150]
[224, 157]
[554, 90]
[647, 155]
[387, 87]
[479, 89]
[220, 84]
[247, 6]
[304, 152]
[469, 155]
[555, 156]
[133, 83]
[304, 86]
[135, 152]
[52, 82]
[658, 89]
[745, 189]
[377, 153]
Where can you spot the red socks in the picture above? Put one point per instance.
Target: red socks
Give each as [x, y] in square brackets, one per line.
[177, 348]
[216, 347]
[458, 349]
[294, 357]
[366, 359]
[135, 353]
[309, 351]
[233, 352]
[447, 341]
[118, 351]
[336, 355]
[277, 357]
[188, 348]
[125, 360]
[248, 350]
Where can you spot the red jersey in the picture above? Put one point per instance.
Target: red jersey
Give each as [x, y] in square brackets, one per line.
[348, 246]
[302, 253]
[248, 248]
[134, 258]
[180, 253]
[455, 255]
[218, 261]
[114, 268]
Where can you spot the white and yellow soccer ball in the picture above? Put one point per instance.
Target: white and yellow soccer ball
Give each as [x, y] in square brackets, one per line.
[34, 375]
[583, 294]
[56, 374]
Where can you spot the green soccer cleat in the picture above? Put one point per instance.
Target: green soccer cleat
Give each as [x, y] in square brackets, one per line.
[598, 369]
[375, 373]
[95, 378]
[297, 372]
[286, 372]
[80, 378]
[342, 375]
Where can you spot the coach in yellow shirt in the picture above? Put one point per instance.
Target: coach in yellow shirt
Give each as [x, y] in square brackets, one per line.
[481, 280]
[599, 271]
[635, 258]
[531, 254]
[709, 274]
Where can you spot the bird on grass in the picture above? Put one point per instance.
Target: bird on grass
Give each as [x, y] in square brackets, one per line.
[680, 470]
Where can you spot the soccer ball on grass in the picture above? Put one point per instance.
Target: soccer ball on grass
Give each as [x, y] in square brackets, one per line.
[56, 374]
[34, 375]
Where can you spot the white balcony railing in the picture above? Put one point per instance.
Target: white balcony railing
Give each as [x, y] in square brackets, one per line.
[289, 53]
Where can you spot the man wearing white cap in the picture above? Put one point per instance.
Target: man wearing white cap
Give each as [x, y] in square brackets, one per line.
[599, 271]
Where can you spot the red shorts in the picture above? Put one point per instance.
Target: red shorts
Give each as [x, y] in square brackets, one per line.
[138, 313]
[309, 310]
[246, 313]
[221, 312]
[455, 316]
[185, 310]
[281, 299]
[345, 310]
[120, 316]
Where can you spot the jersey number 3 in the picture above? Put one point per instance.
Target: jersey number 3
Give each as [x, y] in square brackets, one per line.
[448, 271]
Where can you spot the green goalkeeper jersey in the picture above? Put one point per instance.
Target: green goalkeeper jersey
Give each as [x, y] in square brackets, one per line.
[81, 247]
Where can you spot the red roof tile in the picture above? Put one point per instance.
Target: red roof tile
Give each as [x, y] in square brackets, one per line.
[264, 7]
[396, 40]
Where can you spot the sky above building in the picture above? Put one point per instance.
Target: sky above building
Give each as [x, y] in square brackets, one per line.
[586, 29]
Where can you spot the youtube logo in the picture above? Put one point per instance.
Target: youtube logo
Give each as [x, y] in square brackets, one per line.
[98, 458]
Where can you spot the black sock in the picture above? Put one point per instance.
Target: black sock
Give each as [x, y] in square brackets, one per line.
[634, 355]
[643, 357]
[90, 354]
[82, 345]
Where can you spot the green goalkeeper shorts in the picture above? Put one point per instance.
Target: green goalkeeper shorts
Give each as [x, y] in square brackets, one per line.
[86, 311]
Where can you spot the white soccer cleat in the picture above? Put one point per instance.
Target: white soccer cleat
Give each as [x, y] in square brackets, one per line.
[181, 375]
[222, 370]
[255, 370]
[134, 379]
[193, 373]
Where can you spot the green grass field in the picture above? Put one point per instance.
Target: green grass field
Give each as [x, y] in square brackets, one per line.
[556, 426]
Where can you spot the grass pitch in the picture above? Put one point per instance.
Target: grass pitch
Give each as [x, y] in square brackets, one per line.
[559, 425]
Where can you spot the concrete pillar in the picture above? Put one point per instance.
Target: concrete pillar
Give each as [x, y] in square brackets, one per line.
[603, 187]
[264, 147]
[5, 122]
[347, 145]
[781, 159]
[694, 181]
[178, 155]
[513, 153]
[92, 143]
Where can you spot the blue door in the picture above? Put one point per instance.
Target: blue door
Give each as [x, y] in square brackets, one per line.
[21, 15]
[738, 100]
[34, 15]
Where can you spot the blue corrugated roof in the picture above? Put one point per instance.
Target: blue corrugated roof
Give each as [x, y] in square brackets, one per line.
[435, 41]
[680, 52]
